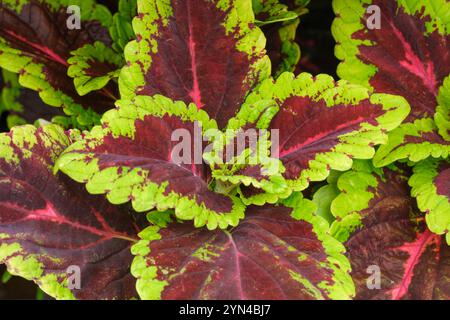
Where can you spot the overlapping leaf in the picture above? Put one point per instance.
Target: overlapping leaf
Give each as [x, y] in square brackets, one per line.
[206, 52]
[400, 47]
[431, 186]
[270, 255]
[414, 141]
[242, 157]
[322, 125]
[134, 156]
[36, 41]
[72, 244]
[392, 253]
[362, 188]
[272, 11]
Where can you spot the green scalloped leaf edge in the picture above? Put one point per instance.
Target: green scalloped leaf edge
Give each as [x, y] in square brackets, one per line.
[264, 197]
[395, 149]
[341, 289]
[147, 286]
[436, 207]
[357, 190]
[28, 266]
[271, 168]
[348, 21]
[9, 101]
[274, 184]
[24, 138]
[17, 261]
[355, 196]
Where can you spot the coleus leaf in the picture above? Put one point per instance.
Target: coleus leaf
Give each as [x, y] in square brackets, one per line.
[270, 255]
[50, 226]
[133, 157]
[406, 54]
[206, 52]
[23, 105]
[283, 50]
[390, 237]
[35, 41]
[322, 125]
[431, 186]
[413, 141]
[93, 66]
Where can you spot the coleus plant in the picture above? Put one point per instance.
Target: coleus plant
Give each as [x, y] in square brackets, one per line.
[357, 180]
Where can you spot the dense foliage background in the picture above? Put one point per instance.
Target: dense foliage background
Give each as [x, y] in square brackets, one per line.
[363, 185]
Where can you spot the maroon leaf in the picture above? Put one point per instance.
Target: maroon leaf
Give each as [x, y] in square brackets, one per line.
[414, 263]
[270, 255]
[406, 54]
[424, 60]
[321, 124]
[306, 132]
[283, 51]
[49, 224]
[196, 51]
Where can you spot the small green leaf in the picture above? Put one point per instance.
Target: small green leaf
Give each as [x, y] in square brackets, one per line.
[93, 66]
